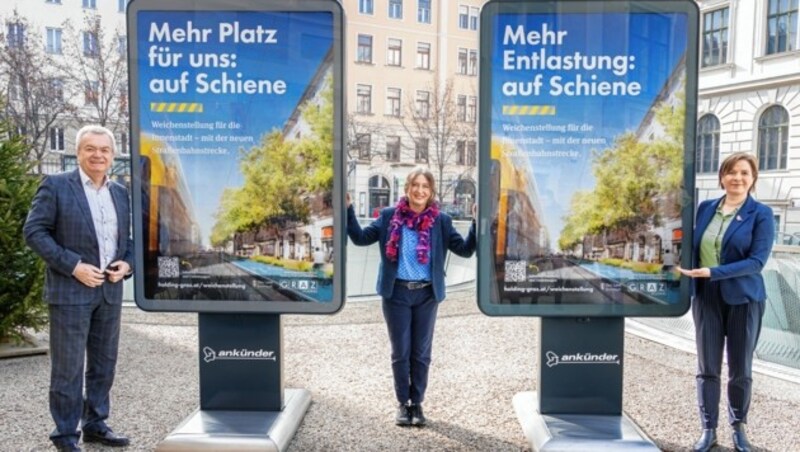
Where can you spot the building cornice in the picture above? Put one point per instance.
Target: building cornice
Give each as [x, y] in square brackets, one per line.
[750, 85]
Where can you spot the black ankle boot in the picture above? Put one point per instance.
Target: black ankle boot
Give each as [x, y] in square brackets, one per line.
[403, 416]
[707, 440]
[740, 441]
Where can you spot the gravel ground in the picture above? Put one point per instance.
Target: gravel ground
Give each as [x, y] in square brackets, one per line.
[479, 364]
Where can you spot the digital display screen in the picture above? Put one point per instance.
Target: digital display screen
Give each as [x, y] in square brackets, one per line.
[587, 137]
[236, 141]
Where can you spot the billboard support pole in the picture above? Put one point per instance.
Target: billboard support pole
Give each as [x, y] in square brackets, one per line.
[243, 405]
[579, 402]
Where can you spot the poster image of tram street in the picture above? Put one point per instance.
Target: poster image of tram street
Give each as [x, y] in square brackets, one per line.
[587, 157]
[236, 151]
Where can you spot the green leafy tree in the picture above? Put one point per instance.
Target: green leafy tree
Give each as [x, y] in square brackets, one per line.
[21, 280]
[279, 174]
[635, 181]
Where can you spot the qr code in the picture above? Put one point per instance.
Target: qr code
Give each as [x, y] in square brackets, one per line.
[168, 267]
[516, 271]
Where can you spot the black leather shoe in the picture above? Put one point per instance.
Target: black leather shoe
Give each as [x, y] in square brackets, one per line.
[417, 418]
[707, 440]
[67, 447]
[740, 442]
[403, 416]
[106, 437]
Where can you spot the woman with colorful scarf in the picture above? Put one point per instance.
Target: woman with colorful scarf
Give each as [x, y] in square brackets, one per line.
[414, 238]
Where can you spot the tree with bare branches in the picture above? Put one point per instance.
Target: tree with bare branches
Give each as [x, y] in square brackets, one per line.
[96, 63]
[36, 97]
[436, 123]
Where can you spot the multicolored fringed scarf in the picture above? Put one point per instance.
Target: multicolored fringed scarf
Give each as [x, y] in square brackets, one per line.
[420, 222]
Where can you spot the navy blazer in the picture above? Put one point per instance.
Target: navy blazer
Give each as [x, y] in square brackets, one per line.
[59, 228]
[443, 237]
[746, 246]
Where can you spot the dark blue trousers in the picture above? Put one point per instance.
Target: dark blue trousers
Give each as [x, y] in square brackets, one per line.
[737, 328]
[84, 341]
[410, 317]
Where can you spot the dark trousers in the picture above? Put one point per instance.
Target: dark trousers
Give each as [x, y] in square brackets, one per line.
[84, 341]
[410, 317]
[736, 327]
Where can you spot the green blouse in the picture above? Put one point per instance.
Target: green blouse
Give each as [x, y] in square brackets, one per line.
[711, 243]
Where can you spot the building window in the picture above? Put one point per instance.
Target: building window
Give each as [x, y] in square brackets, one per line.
[122, 143]
[90, 88]
[364, 99]
[53, 40]
[462, 61]
[715, 37]
[15, 34]
[463, 17]
[421, 150]
[424, 11]
[472, 64]
[773, 138]
[364, 143]
[57, 89]
[423, 55]
[394, 54]
[781, 26]
[472, 108]
[393, 148]
[90, 48]
[366, 6]
[707, 144]
[473, 18]
[395, 9]
[121, 4]
[461, 108]
[393, 101]
[364, 52]
[471, 153]
[122, 45]
[56, 139]
[423, 109]
[461, 157]
[16, 87]
[90, 4]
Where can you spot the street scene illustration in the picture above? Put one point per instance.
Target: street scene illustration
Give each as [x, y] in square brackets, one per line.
[587, 158]
[236, 146]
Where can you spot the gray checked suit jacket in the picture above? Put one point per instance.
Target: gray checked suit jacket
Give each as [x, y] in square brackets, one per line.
[59, 228]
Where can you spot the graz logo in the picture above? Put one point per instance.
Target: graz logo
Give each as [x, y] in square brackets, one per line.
[580, 358]
[209, 354]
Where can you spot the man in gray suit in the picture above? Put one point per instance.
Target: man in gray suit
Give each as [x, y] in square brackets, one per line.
[79, 225]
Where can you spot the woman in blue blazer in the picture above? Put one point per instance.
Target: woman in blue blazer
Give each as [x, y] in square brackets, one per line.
[414, 238]
[733, 238]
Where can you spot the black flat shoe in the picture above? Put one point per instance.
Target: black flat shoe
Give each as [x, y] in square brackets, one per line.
[403, 417]
[67, 447]
[707, 440]
[740, 441]
[106, 437]
[417, 418]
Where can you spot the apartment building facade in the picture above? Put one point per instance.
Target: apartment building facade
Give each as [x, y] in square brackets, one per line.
[54, 24]
[412, 99]
[749, 100]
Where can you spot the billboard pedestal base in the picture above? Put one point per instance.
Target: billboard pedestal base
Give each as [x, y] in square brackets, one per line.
[220, 430]
[571, 432]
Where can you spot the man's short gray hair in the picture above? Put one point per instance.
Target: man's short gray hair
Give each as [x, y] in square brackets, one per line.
[95, 130]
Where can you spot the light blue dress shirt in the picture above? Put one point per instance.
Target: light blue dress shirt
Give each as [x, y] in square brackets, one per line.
[408, 267]
[104, 217]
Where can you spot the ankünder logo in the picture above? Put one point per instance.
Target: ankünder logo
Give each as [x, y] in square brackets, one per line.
[209, 354]
[580, 358]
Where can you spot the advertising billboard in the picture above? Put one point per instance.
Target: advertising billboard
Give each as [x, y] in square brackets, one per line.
[587, 133]
[235, 130]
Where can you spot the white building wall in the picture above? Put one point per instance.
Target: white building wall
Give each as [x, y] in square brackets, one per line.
[740, 90]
